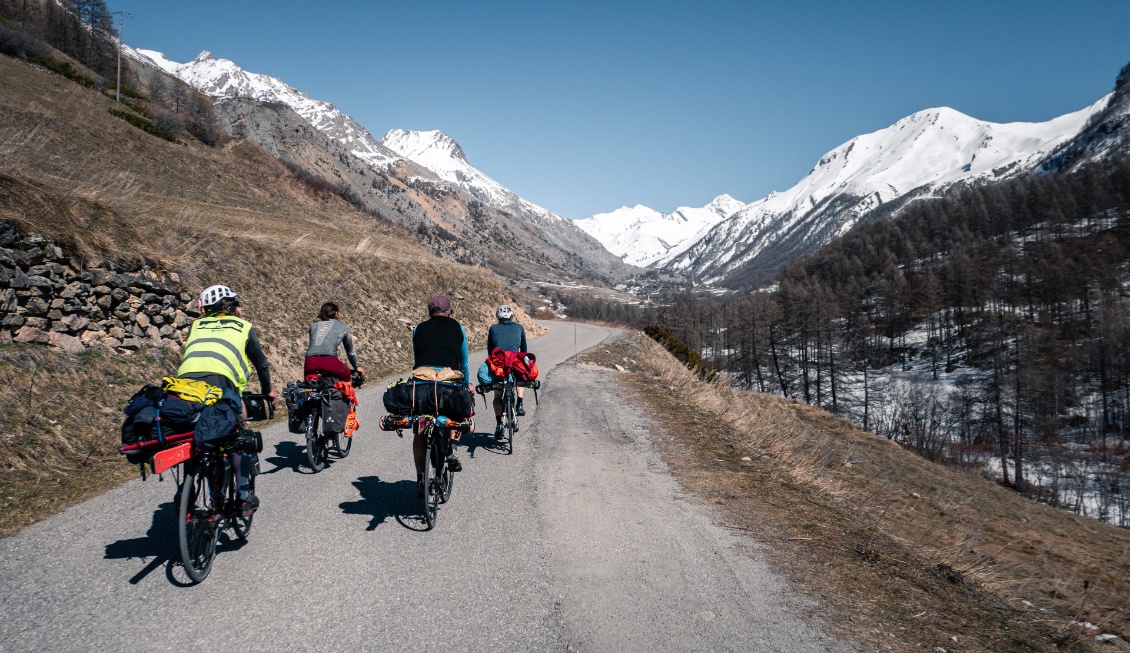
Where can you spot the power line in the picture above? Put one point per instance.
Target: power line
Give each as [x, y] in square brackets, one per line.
[118, 86]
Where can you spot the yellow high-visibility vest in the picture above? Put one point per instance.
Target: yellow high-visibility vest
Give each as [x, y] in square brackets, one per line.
[218, 345]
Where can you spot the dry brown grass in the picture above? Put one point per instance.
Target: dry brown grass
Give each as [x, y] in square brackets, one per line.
[233, 214]
[59, 419]
[905, 553]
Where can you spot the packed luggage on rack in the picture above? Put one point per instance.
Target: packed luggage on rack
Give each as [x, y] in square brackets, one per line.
[336, 399]
[181, 411]
[412, 396]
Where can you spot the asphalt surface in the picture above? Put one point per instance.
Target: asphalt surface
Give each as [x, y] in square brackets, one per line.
[580, 540]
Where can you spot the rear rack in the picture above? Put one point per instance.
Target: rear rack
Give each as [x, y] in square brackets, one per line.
[401, 422]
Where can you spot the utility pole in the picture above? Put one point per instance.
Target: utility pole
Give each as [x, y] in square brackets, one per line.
[118, 87]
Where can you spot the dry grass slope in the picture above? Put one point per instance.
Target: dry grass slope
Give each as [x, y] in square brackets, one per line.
[232, 214]
[906, 553]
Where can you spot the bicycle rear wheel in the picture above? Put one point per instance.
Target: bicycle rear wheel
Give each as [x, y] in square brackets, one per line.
[198, 524]
[446, 476]
[342, 444]
[431, 482]
[316, 445]
[511, 424]
[240, 524]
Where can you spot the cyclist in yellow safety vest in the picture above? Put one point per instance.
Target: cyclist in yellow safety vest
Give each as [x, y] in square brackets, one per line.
[220, 350]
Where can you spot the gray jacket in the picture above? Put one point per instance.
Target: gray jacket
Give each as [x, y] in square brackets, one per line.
[325, 336]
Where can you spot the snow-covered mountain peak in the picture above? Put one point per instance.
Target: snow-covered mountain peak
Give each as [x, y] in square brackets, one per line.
[439, 153]
[415, 145]
[222, 78]
[723, 205]
[640, 235]
[922, 154]
[434, 150]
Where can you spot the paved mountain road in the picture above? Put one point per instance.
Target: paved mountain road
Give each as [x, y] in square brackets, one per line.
[580, 538]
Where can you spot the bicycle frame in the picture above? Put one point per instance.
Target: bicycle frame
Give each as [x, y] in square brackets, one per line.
[438, 478]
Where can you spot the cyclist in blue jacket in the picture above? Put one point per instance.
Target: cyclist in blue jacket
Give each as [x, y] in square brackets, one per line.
[507, 335]
[440, 341]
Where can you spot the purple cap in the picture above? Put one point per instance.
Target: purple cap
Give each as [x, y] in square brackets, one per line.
[438, 304]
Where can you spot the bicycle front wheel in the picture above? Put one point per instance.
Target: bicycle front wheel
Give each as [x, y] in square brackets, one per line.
[431, 485]
[198, 524]
[315, 444]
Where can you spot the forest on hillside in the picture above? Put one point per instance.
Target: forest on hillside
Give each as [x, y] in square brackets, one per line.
[988, 329]
[82, 29]
[77, 39]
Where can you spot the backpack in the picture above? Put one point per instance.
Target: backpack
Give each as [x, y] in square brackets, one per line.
[149, 407]
[141, 411]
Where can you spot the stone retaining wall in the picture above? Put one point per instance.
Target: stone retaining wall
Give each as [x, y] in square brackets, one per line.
[46, 297]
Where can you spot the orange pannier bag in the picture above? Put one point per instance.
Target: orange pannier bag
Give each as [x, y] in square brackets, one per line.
[350, 395]
[351, 423]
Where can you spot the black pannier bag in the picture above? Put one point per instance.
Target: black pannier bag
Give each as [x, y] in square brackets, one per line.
[149, 403]
[335, 410]
[398, 398]
[217, 422]
[453, 398]
[297, 406]
[140, 413]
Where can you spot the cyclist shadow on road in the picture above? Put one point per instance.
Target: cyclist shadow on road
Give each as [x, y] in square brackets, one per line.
[159, 543]
[472, 442]
[291, 455]
[384, 499]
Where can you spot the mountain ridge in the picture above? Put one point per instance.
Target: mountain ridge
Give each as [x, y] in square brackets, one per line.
[921, 155]
[428, 186]
[652, 238]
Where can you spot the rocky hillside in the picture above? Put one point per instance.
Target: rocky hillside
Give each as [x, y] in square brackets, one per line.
[419, 179]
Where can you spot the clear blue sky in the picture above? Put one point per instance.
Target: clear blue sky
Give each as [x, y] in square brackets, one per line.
[583, 107]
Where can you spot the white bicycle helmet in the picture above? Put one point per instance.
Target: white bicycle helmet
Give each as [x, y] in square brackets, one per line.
[504, 312]
[213, 295]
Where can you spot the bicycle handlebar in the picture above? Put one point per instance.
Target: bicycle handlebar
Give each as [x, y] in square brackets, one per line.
[484, 389]
[258, 407]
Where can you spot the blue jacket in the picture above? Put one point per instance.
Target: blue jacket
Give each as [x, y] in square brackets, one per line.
[507, 335]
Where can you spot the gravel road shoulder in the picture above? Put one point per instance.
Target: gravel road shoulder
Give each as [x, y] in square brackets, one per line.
[637, 563]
